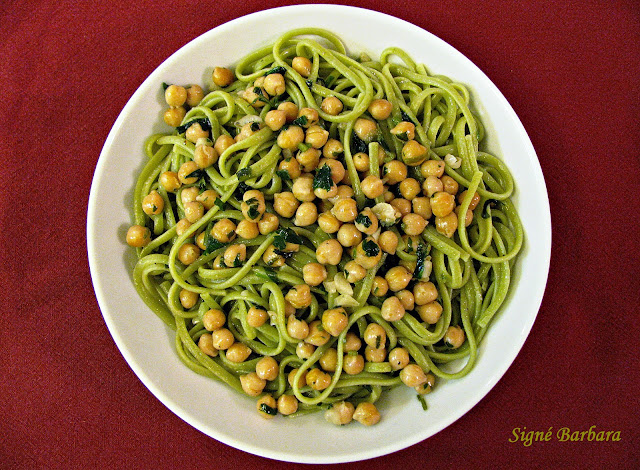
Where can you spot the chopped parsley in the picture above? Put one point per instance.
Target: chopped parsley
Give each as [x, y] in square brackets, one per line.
[323, 179]
[371, 248]
[237, 262]
[284, 236]
[419, 271]
[244, 173]
[363, 220]
[300, 121]
[204, 123]
[488, 205]
[278, 69]
[165, 86]
[199, 173]
[405, 117]
[358, 145]
[269, 274]
[202, 184]
[284, 175]
[211, 244]
[268, 409]
[220, 203]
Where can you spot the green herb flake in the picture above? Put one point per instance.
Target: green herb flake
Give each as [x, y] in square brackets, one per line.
[237, 262]
[253, 212]
[378, 342]
[301, 121]
[283, 174]
[370, 248]
[271, 274]
[405, 117]
[309, 83]
[268, 410]
[211, 244]
[220, 203]
[358, 145]
[284, 236]
[488, 205]
[165, 86]
[244, 174]
[199, 173]
[202, 184]
[363, 220]
[419, 271]
[423, 402]
[278, 69]
[323, 179]
[204, 124]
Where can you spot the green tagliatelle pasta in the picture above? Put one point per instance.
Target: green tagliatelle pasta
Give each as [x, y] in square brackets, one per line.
[320, 228]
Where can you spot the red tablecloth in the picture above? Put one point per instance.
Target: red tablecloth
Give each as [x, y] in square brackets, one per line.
[569, 68]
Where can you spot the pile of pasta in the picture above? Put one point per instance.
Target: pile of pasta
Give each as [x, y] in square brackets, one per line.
[319, 228]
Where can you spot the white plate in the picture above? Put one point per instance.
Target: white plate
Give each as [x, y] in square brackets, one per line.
[211, 407]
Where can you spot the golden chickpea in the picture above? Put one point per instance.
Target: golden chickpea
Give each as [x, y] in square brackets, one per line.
[328, 222]
[425, 292]
[248, 130]
[235, 255]
[174, 116]
[306, 214]
[274, 84]
[292, 167]
[380, 109]
[366, 413]
[290, 110]
[402, 205]
[432, 168]
[303, 188]
[224, 230]
[255, 95]
[409, 188]
[412, 375]
[449, 185]
[247, 229]
[188, 195]
[329, 360]
[205, 156]
[331, 105]
[348, 235]
[195, 132]
[398, 278]
[367, 222]
[394, 171]
[318, 336]
[430, 312]
[193, 211]
[252, 384]
[368, 253]
[372, 186]
[308, 159]
[329, 252]
[335, 320]
[317, 379]
[185, 172]
[414, 153]
[238, 352]
[404, 130]
[299, 296]
[353, 364]
[287, 404]
[207, 198]
[474, 200]
[377, 355]
[222, 338]
[188, 253]
[256, 317]
[314, 274]
[218, 262]
[379, 287]
[442, 204]
[275, 119]
[426, 387]
[138, 236]
[392, 309]
[354, 272]
[170, 181]
[407, 299]
[388, 242]
[302, 381]
[422, 207]
[352, 342]
[188, 299]
[200, 241]
[213, 319]
[311, 116]
[296, 328]
[175, 95]
[365, 129]
[195, 93]
[344, 192]
[302, 65]
[413, 224]
[316, 136]
[340, 413]
[337, 169]
[398, 358]
[447, 225]
[268, 223]
[304, 350]
[345, 210]
[290, 137]
[468, 218]
[152, 204]
[222, 76]
[375, 336]
[206, 345]
[267, 368]
[285, 204]
[223, 142]
[182, 226]
[454, 337]
[332, 149]
[361, 161]
[267, 407]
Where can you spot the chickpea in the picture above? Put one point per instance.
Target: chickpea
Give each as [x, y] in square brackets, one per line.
[188, 299]
[252, 384]
[303, 188]
[195, 93]
[398, 278]
[337, 169]
[367, 222]
[285, 204]
[425, 292]
[474, 200]
[247, 229]
[222, 76]
[306, 214]
[274, 84]
[328, 222]
[392, 309]
[187, 169]
[138, 236]
[345, 210]
[248, 130]
[388, 242]
[329, 252]
[308, 159]
[372, 186]
[380, 109]
[340, 413]
[207, 198]
[267, 368]
[404, 131]
[296, 328]
[302, 65]
[188, 253]
[349, 235]
[318, 380]
[406, 298]
[331, 105]
[318, 336]
[354, 272]
[422, 207]
[304, 350]
[292, 167]
[152, 204]
[222, 338]
[334, 320]
[255, 94]
[368, 253]
[377, 355]
[287, 404]
[432, 168]
[454, 337]
[316, 136]
[170, 181]
[430, 312]
[223, 142]
[235, 255]
[468, 218]
[449, 185]
[447, 225]
[366, 413]
[402, 205]
[275, 119]
[410, 244]
[426, 387]
[352, 342]
[299, 296]
[314, 274]
[398, 358]
[379, 287]
[174, 116]
[224, 230]
[182, 226]
[332, 149]
[218, 262]
[302, 381]
[414, 153]
[266, 406]
[412, 375]
[329, 360]
[213, 319]
[311, 115]
[394, 171]
[344, 192]
[375, 336]
[200, 241]
[409, 188]
[238, 352]
[268, 223]
[188, 195]
[353, 364]
[290, 137]
[365, 129]
[195, 132]
[256, 317]
[413, 224]
[175, 95]
[361, 161]
[290, 110]
[193, 211]
[206, 345]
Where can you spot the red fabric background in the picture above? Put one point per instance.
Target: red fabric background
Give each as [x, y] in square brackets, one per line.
[67, 397]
